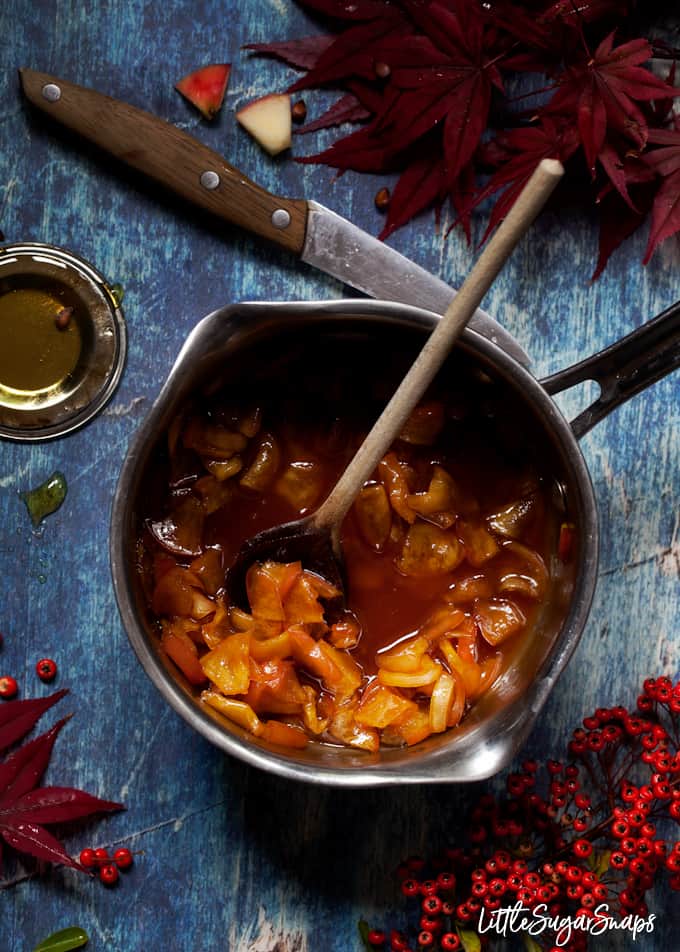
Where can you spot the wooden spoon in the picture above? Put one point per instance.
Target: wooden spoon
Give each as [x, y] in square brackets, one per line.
[315, 539]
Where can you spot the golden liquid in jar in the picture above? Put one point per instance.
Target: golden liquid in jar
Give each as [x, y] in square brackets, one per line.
[35, 356]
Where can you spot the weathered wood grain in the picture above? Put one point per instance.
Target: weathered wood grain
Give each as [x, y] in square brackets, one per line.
[234, 859]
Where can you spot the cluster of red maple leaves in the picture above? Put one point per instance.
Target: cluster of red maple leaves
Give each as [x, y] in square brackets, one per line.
[26, 809]
[429, 81]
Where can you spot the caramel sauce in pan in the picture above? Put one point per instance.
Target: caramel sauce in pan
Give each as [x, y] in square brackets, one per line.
[488, 444]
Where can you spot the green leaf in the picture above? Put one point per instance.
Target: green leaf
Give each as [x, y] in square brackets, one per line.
[602, 864]
[469, 939]
[363, 934]
[530, 944]
[72, 938]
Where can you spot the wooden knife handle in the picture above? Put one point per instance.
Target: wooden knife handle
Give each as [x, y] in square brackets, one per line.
[171, 157]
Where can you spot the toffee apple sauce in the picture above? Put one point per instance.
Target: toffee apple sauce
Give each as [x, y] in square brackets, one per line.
[449, 550]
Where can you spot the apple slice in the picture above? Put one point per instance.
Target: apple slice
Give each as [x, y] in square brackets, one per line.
[268, 120]
[205, 88]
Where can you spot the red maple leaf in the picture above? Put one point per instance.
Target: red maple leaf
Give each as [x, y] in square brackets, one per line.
[301, 54]
[665, 161]
[25, 808]
[442, 76]
[603, 90]
[517, 153]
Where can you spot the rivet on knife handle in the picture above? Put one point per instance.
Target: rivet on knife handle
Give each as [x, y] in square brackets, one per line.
[171, 157]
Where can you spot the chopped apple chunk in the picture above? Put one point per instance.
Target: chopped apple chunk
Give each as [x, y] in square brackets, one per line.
[268, 120]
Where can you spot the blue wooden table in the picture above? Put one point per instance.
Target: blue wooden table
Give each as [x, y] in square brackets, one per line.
[233, 858]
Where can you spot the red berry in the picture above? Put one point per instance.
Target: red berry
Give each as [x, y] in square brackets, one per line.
[432, 905]
[88, 859]
[102, 855]
[431, 924]
[376, 937]
[582, 848]
[123, 858]
[446, 881]
[410, 888]
[425, 939]
[8, 686]
[109, 874]
[450, 942]
[46, 669]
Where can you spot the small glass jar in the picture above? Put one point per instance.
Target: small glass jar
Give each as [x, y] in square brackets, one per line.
[63, 341]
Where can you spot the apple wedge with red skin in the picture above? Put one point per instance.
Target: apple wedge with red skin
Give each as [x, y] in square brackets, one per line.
[269, 122]
[205, 88]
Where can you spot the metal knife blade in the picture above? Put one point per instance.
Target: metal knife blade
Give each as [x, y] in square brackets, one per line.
[334, 245]
[186, 166]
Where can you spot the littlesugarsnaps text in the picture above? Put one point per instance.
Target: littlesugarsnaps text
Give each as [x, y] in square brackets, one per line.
[518, 918]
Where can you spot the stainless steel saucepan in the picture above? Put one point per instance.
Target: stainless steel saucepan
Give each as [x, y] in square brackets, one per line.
[220, 347]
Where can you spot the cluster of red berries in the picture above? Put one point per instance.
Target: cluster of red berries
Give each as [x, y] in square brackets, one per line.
[46, 669]
[107, 866]
[552, 843]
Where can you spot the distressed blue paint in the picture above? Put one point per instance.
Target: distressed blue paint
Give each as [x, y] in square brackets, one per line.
[224, 845]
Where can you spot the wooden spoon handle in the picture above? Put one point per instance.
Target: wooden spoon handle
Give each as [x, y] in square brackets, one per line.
[415, 383]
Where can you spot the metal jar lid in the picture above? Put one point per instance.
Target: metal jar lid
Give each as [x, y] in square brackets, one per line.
[42, 408]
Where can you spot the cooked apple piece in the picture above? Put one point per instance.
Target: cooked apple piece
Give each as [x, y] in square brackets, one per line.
[268, 120]
[216, 629]
[270, 649]
[284, 735]
[302, 606]
[237, 711]
[212, 440]
[300, 484]
[181, 532]
[405, 656]
[374, 516]
[182, 650]
[274, 688]
[511, 520]
[381, 706]
[249, 423]
[467, 668]
[441, 702]
[228, 665]
[440, 503]
[345, 633]
[409, 730]
[532, 577]
[444, 620]
[343, 727]
[429, 550]
[223, 468]
[498, 619]
[468, 589]
[311, 715]
[209, 568]
[205, 88]
[425, 424]
[179, 592]
[349, 678]
[264, 596]
[264, 467]
[396, 477]
[427, 673]
[480, 545]
[212, 493]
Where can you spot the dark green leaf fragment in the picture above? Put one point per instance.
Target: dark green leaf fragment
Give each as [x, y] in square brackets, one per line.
[46, 498]
[63, 941]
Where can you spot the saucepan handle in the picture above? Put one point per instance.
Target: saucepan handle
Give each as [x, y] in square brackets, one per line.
[630, 365]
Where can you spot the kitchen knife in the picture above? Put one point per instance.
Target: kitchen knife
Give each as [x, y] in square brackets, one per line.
[314, 233]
